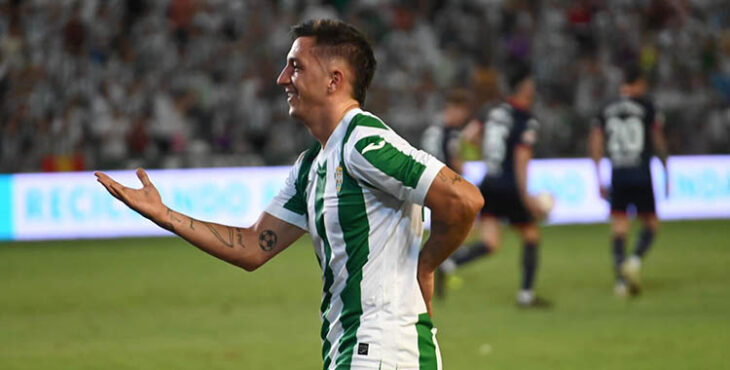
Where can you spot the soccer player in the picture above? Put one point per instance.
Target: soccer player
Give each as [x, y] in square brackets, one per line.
[507, 138]
[443, 138]
[632, 130]
[359, 192]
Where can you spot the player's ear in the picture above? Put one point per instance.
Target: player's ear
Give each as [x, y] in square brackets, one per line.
[337, 80]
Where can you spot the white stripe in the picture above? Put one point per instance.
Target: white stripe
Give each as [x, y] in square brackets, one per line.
[438, 350]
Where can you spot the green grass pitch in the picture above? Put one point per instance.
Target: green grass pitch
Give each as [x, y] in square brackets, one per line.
[162, 304]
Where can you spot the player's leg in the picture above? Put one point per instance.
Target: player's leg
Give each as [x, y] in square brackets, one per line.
[619, 229]
[650, 225]
[489, 220]
[631, 268]
[646, 208]
[530, 234]
[487, 244]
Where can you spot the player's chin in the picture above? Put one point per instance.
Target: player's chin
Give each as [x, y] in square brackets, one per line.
[295, 113]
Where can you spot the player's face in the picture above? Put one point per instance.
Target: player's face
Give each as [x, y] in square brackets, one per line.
[304, 78]
[455, 115]
[529, 90]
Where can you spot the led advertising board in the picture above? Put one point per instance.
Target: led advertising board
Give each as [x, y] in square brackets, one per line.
[74, 205]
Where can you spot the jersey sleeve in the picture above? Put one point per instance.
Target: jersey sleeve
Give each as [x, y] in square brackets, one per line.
[384, 160]
[290, 204]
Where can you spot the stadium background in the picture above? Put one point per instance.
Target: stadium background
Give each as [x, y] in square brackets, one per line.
[187, 83]
[88, 85]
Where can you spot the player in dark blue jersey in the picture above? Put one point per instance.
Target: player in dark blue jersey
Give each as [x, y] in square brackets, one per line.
[507, 138]
[630, 129]
[443, 138]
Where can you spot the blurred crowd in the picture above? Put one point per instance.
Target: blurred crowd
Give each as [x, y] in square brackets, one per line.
[105, 84]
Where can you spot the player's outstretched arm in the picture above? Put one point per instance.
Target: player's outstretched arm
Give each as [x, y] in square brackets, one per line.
[595, 150]
[523, 155]
[473, 132]
[660, 148]
[247, 248]
[454, 204]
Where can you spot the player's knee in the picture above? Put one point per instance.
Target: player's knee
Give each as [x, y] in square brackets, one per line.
[530, 233]
[651, 223]
[492, 246]
[619, 234]
[620, 227]
[531, 240]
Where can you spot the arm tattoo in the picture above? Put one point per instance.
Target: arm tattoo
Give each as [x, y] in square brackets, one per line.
[168, 225]
[228, 243]
[454, 179]
[267, 240]
[173, 217]
[191, 224]
[239, 236]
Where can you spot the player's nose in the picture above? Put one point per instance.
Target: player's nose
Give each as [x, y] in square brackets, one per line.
[284, 77]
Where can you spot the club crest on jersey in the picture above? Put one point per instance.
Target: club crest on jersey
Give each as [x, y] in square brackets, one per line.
[338, 178]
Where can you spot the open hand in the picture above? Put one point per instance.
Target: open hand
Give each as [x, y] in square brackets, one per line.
[146, 201]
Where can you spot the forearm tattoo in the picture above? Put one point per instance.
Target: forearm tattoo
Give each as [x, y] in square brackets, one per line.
[228, 243]
[170, 223]
[239, 237]
[453, 180]
[267, 240]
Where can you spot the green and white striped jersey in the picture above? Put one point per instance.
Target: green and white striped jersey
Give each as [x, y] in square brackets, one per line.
[360, 197]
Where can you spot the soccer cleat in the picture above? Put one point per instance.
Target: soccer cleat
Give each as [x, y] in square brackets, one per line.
[621, 290]
[631, 271]
[528, 299]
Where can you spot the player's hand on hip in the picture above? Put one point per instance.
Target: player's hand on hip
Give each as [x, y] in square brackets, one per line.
[425, 281]
[146, 201]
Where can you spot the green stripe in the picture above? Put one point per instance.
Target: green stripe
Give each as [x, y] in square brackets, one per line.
[327, 250]
[426, 347]
[366, 121]
[298, 203]
[390, 160]
[359, 120]
[356, 230]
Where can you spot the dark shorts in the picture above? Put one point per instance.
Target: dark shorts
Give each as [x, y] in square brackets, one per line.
[640, 196]
[504, 204]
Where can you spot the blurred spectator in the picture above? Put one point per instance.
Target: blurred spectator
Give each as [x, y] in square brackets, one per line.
[124, 83]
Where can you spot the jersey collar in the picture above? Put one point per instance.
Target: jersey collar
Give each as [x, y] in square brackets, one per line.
[339, 133]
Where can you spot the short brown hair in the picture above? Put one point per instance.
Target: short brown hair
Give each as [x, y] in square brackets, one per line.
[458, 96]
[342, 40]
